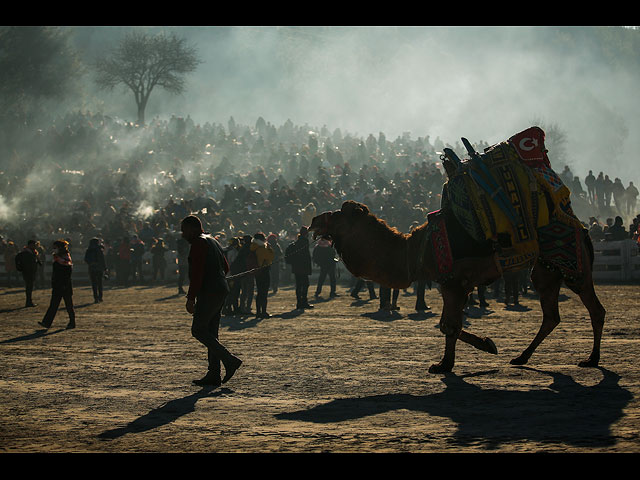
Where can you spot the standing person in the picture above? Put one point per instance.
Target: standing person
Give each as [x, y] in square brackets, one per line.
[247, 262]
[61, 287]
[599, 188]
[207, 292]
[590, 182]
[421, 304]
[607, 190]
[137, 252]
[264, 258]
[182, 251]
[10, 253]
[361, 282]
[631, 195]
[619, 196]
[324, 255]
[124, 262]
[94, 257]
[158, 260]
[511, 287]
[300, 261]
[389, 298]
[276, 266]
[40, 281]
[231, 306]
[28, 262]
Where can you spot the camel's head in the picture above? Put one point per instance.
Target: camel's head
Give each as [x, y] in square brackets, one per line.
[331, 224]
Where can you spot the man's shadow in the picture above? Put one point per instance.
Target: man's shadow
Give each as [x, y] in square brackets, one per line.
[42, 332]
[564, 412]
[163, 415]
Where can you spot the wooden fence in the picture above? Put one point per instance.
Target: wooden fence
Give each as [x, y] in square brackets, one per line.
[616, 261]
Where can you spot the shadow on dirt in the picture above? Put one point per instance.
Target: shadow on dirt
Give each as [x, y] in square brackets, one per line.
[43, 332]
[564, 412]
[163, 415]
[389, 316]
[239, 322]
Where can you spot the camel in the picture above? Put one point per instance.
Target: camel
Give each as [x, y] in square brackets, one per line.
[371, 249]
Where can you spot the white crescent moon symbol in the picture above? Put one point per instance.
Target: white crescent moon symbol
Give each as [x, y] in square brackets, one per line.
[523, 146]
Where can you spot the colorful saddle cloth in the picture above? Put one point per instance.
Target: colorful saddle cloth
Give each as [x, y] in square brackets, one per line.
[500, 196]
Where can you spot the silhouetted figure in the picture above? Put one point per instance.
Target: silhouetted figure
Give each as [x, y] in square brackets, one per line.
[94, 257]
[123, 266]
[61, 287]
[246, 261]
[299, 258]
[264, 257]
[421, 305]
[207, 292]
[27, 262]
[158, 260]
[276, 266]
[137, 252]
[355, 292]
[616, 231]
[324, 255]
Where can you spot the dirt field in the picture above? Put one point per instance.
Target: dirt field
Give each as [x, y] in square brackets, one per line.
[338, 378]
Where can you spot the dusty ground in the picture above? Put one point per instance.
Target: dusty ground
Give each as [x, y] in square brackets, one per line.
[338, 378]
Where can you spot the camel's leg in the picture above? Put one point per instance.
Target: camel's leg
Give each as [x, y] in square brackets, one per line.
[548, 286]
[597, 314]
[481, 343]
[454, 299]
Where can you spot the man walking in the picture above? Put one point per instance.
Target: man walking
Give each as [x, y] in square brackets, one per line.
[207, 292]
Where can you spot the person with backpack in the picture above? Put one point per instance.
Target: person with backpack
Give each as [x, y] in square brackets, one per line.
[61, 287]
[94, 258]
[27, 262]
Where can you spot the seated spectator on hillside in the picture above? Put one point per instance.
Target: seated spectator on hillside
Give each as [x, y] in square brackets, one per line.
[616, 231]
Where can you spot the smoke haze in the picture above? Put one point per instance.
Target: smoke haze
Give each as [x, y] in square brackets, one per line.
[483, 83]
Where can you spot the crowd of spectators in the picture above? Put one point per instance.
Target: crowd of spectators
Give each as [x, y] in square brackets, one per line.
[92, 176]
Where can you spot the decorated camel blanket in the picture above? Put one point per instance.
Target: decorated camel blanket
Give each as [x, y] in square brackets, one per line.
[501, 195]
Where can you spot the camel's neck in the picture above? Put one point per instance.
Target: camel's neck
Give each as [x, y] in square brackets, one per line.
[384, 255]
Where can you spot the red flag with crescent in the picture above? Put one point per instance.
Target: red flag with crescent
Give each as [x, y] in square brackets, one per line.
[530, 145]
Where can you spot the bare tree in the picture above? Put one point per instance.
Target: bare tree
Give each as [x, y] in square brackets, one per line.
[142, 62]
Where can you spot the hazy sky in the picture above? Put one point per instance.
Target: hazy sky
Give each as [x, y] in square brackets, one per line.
[483, 83]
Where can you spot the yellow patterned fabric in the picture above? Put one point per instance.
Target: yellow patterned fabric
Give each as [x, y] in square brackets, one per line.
[510, 195]
[500, 200]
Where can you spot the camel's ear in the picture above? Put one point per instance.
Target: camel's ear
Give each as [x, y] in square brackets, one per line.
[350, 207]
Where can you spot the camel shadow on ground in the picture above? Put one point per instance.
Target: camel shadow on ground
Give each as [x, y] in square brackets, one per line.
[565, 412]
[165, 414]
